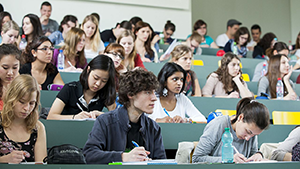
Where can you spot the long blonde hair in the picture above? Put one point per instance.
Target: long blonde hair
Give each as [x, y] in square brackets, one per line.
[72, 39]
[132, 55]
[95, 39]
[22, 85]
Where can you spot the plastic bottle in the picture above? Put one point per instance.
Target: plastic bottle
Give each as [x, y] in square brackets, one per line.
[227, 149]
[290, 45]
[264, 70]
[235, 49]
[279, 89]
[23, 43]
[161, 41]
[60, 61]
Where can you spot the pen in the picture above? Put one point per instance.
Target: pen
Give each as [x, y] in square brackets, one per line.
[166, 112]
[136, 145]
[70, 64]
[235, 150]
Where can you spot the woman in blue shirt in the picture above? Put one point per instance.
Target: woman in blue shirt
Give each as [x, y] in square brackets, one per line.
[241, 38]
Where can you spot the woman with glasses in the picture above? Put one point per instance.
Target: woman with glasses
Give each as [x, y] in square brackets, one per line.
[38, 56]
[241, 38]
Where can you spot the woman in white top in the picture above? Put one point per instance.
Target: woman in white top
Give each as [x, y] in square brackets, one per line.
[172, 106]
[94, 46]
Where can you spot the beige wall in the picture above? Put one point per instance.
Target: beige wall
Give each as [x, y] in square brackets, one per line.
[272, 15]
[295, 13]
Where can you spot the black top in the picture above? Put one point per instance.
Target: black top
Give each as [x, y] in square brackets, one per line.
[72, 95]
[26, 69]
[7, 145]
[108, 36]
[134, 134]
[258, 52]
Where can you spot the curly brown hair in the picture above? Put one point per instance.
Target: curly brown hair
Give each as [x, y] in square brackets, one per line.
[135, 81]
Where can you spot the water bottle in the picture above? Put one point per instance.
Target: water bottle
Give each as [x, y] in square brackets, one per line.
[234, 49]
[279, 89]
[264, 70]
[161, 41]
[60, 61]
[227, 149]
[23, 43]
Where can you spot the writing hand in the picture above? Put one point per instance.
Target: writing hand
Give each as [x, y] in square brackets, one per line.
[15, 157]
[136, 154]
[255, 157]
[166, 119]
[239, 158]
[178, 119]
[82, 115]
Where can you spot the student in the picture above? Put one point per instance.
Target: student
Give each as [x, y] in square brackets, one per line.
[73, 50]
[201, 27]
[297, 49]
[183, 56]
[172, 106]
[241, 38]
[94, 45]
[255, 32]
[116, 52]
[232, 26]
[278, 48]
[128, 123]
[31, 27]
[10, 60]
[22, 136]
[167, 32]
[68, 22]
[250, 120]
[4, 17]
[131, 58]
[267, 41]
[284, 151]
[194, 42]
[10, 33]
[278, 68]
[87, 97]
[38, 55]
[142, 43]
[133, 22]
[111, 35]
[227, 82]
[48, 25]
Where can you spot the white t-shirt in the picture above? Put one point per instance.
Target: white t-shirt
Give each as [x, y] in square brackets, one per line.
[184, 108]
[222, 40]
[89, 53]
[252, 43]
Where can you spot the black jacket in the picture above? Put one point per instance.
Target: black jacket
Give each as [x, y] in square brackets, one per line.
[107, 140]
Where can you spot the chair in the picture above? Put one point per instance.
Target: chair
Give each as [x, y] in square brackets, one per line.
[226, 112]
[198, 63]
[246, 77]
[286, 118]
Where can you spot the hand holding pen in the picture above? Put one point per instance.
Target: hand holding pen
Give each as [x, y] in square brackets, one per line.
[237, 157]
[136, 154]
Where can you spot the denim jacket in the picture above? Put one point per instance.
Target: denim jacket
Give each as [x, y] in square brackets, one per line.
[107, 140]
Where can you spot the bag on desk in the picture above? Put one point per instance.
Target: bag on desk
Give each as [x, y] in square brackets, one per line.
[65, 154]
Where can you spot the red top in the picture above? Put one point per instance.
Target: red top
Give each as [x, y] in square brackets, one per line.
[1, 104]
[138, 62]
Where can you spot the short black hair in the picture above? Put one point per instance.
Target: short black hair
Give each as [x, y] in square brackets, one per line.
[166, 71]
[66, 19]
[46, 3]
[255, 26]
[1, 8]
[105, 63]
[126, 25]
[135, 20]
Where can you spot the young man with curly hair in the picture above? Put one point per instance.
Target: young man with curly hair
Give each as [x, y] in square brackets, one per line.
[111, 137]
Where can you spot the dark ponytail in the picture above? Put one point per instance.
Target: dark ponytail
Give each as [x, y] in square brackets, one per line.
[170, 25]
[254, 112]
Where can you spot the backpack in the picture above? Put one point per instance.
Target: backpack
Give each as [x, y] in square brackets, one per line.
[296, 152]
[65, 154]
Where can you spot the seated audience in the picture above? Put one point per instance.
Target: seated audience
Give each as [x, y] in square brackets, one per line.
[48, 25]
[241, 38]
[167, 32]
[131, 58]
[4, 17]
[10, 60]
[201, 27]
[133, 22]
[10, 33]
[111, 35]
[232, 26]
[183, 56]
[73, 50]
[267, 41]
[38, 56]
[22, 136]
[87, 97]
[68, 22]
[194, 42]
[250, 120]
[128, 123]
[94, 45]
[172, 106]
[116, 52]
[31, 27]
[227, 81]
[278, 68]
[255, 32]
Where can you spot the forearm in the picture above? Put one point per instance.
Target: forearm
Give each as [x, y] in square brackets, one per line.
[243, 90]
[288, 86]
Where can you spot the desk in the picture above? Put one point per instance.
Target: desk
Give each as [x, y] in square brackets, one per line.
[280, 165]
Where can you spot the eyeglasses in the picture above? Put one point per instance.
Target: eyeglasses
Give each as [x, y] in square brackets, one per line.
[116, 55]
[46, 49]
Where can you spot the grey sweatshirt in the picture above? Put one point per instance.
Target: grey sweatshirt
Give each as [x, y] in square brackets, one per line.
[209, 148]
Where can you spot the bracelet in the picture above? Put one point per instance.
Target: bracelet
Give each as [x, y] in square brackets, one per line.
[259, 152]
[73, 116]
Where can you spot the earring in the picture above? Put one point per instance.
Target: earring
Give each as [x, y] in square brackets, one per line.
[165, 92]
